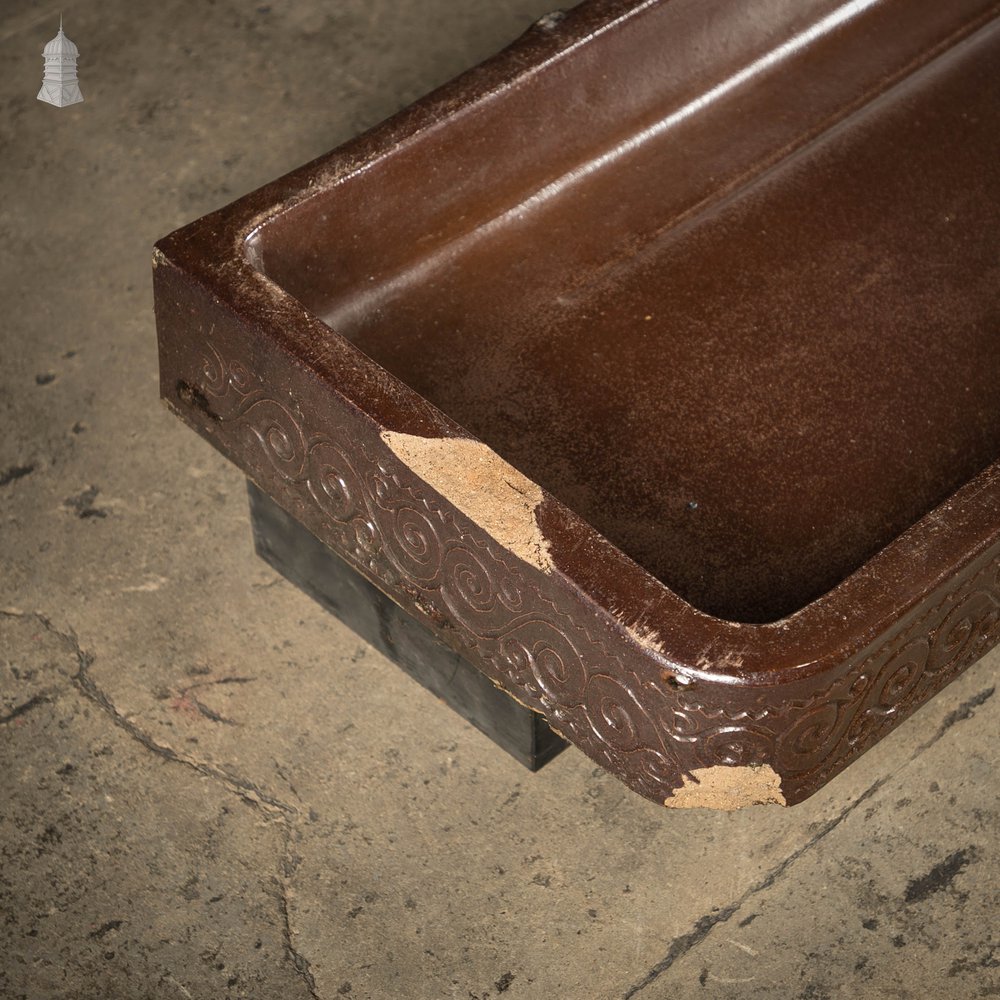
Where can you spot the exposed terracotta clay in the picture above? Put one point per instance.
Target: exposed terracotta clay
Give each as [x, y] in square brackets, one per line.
[485, 488]
[722, 787]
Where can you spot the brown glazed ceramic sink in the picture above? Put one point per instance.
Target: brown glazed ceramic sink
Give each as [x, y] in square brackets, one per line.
[653, 365]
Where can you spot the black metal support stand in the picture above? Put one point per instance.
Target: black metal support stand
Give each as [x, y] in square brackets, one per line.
[305, 561]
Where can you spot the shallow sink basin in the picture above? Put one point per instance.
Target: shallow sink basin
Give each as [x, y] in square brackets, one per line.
[653, 365]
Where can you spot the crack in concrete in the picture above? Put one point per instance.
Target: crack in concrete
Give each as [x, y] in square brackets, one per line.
[680, 946]
[300, 963]
[964, 711]
[25, 707]
[246, 790]
[218, 681]
[187, 700]
[211, 714]
[283, 774]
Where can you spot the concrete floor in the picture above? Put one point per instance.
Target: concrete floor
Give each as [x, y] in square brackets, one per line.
[212, 789]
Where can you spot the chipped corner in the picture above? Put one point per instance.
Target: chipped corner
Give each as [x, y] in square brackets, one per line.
[728, 787]
[486, 489]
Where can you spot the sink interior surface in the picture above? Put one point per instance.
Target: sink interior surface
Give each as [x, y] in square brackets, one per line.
[749, 396]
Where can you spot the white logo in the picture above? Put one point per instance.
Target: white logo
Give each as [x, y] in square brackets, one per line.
[59, 86]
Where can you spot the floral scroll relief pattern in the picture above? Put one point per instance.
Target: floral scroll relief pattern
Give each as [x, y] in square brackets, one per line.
[378, 515]
[382, 519]
[845, 719]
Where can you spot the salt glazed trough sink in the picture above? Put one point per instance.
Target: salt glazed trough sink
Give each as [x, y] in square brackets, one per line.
[651, 367]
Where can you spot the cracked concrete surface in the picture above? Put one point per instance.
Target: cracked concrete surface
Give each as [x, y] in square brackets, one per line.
[212, 789]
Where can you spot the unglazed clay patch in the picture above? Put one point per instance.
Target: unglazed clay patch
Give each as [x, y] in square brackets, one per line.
[485, 488]
[726, 787]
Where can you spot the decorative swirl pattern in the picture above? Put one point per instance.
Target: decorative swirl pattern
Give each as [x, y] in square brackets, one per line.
[959, 638]
[333, 483]
[470, 590]
[280, 437]
[652, 771]
[817, 729]
[214, 374]
[413, 545]
[839, 723]
[736, 746]
[507, 618]
[615, 717]
[898, 678]
[550, 666]
[477, 596]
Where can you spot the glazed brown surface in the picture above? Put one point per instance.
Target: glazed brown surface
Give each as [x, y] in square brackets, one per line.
[754, 400]
[801, 438]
